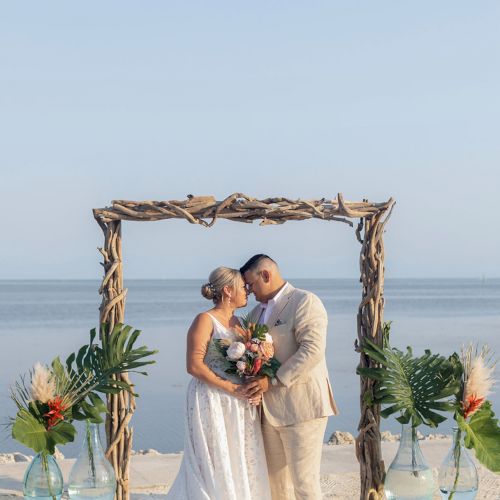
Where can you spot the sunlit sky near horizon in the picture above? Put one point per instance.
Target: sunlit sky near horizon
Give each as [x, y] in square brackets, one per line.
[155, 100]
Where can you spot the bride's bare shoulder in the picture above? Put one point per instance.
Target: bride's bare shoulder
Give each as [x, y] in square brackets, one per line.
[202, 318]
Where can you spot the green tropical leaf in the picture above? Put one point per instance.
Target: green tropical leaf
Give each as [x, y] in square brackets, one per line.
[482, 433]
[60, 373]
[414, 387]
[29, 431]
[79, 357]
[115, 355]
[62, 433]
[98, 402]
[69, 361]
[91, 412]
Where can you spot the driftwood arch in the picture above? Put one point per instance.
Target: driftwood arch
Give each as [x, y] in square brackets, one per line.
[205, 210]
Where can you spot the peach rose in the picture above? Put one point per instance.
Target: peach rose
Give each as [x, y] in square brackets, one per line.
[267, 349]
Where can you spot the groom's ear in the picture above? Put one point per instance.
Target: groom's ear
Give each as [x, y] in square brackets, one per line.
[265, 276]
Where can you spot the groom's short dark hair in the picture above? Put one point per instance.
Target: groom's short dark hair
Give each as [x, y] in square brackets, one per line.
[253, 262]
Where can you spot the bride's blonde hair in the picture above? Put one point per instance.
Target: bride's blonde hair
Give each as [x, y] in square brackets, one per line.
[218, 279]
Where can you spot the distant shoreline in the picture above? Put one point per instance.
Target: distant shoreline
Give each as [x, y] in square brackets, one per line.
[354, 278]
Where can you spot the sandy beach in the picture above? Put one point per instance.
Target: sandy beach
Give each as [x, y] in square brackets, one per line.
[152, 473]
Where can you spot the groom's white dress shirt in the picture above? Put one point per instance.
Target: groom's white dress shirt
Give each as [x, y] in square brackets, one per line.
[268, 307]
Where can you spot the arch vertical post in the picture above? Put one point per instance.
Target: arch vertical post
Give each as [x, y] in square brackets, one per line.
[112, 312]
[370, 320]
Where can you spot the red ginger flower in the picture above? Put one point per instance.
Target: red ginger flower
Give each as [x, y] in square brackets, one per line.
[471, 405]
[256, 366]
[54, 414]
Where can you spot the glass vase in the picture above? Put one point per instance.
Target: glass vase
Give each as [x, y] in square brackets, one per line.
[92, 476]
[43, 479]
[409, 477]
[458, 478]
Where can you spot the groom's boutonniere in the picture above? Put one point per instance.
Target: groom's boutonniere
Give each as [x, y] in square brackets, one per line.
[279, 322]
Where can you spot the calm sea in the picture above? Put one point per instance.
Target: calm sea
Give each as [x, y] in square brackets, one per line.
[40, 319]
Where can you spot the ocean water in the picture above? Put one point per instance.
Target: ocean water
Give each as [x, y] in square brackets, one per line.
[40, 319]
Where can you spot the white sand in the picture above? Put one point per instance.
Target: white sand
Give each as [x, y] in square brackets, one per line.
[152, 475]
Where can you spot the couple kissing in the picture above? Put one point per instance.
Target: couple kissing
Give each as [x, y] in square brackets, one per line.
[232, 450]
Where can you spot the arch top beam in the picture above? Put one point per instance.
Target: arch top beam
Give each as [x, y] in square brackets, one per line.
[239, 207]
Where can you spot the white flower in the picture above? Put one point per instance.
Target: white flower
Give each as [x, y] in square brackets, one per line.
[269, 338]
[235, 351]
[43, 387]
[241, 365]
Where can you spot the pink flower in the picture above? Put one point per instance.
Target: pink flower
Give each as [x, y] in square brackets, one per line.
[267, 349]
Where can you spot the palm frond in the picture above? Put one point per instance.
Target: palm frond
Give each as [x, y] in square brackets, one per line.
[115, 355]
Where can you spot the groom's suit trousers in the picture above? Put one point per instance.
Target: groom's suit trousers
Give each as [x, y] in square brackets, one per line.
[293, 454]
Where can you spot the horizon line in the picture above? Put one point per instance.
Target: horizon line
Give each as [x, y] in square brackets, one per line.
[478, 278]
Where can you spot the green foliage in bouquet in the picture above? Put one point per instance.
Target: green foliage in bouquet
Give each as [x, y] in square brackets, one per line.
[56, 396]
[256, 330]
[414, 387]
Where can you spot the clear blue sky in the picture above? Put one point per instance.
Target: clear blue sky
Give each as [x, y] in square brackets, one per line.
[155, 100]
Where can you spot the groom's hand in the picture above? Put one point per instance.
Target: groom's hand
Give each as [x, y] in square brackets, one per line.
[255, 387]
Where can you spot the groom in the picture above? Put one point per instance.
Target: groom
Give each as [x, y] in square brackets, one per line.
[296, 405]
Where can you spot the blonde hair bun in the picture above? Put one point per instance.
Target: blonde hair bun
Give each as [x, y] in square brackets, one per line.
[208, 291]
[218, 279]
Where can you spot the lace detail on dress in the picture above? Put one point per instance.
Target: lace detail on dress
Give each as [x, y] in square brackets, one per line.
[223, 450]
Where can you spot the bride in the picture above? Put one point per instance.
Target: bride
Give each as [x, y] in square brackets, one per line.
[223, 450]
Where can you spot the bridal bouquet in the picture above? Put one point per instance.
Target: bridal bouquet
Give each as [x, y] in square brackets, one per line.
[251, 353]
[55, 395]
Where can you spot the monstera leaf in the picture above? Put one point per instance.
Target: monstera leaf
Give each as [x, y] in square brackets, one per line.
[415, 387]
[92, 369]
[29, 431]
[483, 434]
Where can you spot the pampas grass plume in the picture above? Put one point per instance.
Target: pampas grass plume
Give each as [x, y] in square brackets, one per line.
[478, 379]
[43, 387]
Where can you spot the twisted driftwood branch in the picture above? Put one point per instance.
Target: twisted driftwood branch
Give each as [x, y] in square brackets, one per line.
[239, 207]
[370, 323]
[112, 311]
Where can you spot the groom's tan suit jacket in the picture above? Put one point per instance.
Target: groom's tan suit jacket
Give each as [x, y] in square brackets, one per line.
[298, 325]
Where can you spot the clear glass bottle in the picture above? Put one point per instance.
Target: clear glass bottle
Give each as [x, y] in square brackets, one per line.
[458, 478]
[409, 477]
[43, 479]
[92, 476]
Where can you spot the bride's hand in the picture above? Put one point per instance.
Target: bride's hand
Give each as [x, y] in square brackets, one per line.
[256, 400]
[236, 391]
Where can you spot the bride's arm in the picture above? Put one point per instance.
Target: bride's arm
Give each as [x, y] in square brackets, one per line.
[198, 338]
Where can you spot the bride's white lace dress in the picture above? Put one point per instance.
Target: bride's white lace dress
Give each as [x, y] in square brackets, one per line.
[223, 450]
